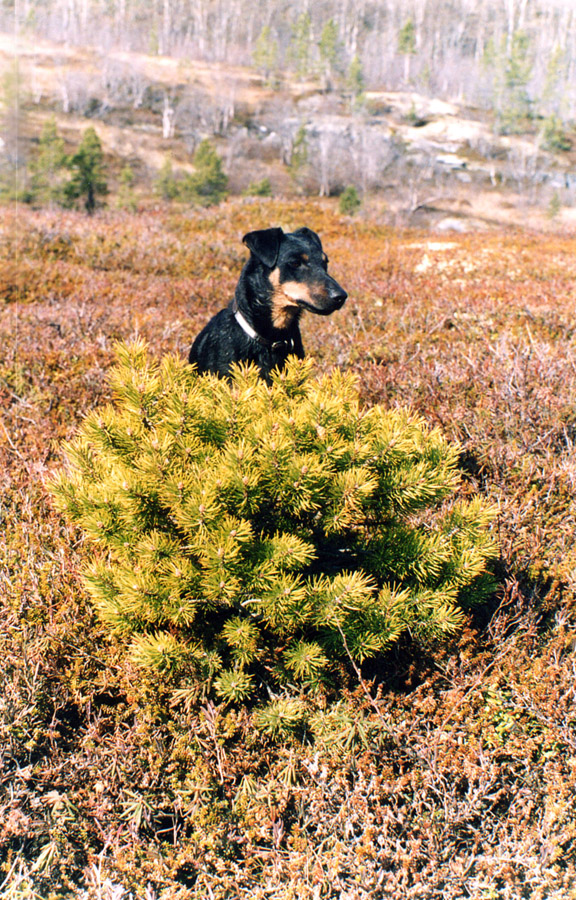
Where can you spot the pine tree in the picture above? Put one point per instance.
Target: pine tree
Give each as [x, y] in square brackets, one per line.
[166, 184]
[265, 55]
[299, 156]
[262, 188]
[355, 83]
[126, 198]
[554, 206]
[516, 77]
[511, 65]
[407, 45]
[301, 45]
[349, 202]
[554, 137]
[330, 52]
[47, 183]
[251, 538]
[87, 165]
[208, 184]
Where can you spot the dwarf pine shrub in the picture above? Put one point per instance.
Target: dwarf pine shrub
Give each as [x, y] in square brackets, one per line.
[251, 537]
[349, 202]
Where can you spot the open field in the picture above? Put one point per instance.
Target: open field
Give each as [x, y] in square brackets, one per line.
[458, 780]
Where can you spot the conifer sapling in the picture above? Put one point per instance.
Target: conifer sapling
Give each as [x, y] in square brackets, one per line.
[251, 538]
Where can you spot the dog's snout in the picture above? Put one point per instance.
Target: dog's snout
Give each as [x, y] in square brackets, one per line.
[338, 296]
[336, 293]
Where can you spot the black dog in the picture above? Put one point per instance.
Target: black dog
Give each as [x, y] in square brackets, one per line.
[285, 274]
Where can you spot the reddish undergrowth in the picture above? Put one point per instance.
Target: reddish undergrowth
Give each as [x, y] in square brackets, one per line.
[455, 775]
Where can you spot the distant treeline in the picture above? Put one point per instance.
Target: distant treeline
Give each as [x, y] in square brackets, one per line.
[478, 51]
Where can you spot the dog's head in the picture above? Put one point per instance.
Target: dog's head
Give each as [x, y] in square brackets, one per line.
[297, 269]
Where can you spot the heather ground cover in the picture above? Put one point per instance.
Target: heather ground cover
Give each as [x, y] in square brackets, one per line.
[447, 770]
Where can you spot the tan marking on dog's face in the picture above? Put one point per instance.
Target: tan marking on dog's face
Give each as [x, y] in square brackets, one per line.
[310, 293]
[295, 290]
[285, 297]
[284, 308]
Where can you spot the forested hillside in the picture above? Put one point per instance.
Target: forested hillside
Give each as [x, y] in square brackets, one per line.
[473, 49]
[432, 110]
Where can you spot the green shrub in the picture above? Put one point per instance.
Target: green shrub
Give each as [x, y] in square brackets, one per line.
[251, 538]
[208, 184]
[88, 179]
[126, 197]
[261, 188]
[166, 184]
[554, 135]
[48, 181]
[349, 202]
[554, 206]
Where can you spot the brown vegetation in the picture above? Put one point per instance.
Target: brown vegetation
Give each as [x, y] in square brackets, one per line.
[451, 771]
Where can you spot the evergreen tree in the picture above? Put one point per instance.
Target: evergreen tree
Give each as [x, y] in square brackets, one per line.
[355, 83]
[349, 202]
[87, 165]
[554, 135]
[299, 156]
[265, 55]
[516, 77]
[330, 52]
[126, 198]
[209, 182]
[262, 188]
[253, 538]
[554, 206]
[511, 64]
[301, 45]
[407, 45]
[47, 183]
[166, 184]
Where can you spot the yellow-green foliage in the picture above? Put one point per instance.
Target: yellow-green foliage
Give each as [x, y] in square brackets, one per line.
[244, 528]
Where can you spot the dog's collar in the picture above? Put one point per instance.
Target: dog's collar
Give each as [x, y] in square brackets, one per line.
[247, 329]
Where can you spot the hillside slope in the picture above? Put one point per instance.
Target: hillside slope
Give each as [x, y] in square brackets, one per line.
[413, 159]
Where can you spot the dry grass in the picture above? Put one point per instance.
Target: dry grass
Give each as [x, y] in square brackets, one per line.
[458, 780]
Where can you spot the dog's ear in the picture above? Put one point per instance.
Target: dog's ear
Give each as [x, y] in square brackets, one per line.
[309, 235]
[265, 244]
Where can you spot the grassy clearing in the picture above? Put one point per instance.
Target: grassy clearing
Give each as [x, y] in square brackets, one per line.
[458, 780]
